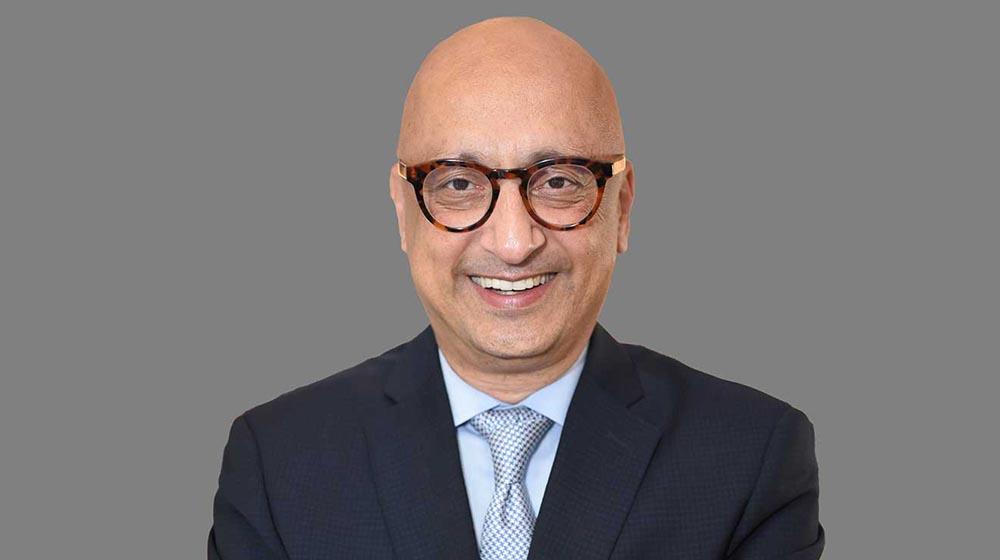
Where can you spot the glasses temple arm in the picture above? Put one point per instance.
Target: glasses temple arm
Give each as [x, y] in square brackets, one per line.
[618, 166]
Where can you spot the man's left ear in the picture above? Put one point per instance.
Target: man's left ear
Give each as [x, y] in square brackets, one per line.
[626, 195]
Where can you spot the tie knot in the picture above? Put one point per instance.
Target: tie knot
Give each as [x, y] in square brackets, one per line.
[513, 434]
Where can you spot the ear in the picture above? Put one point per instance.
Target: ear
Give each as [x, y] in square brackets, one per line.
[397, 191]
[626, 195]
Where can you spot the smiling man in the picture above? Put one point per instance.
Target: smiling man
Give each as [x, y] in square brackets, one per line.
[515, 426]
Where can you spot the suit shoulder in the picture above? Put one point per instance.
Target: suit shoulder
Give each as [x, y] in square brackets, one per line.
[664, 376]
[340, 396]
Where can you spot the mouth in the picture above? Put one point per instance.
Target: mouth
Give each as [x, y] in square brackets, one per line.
[512, 287]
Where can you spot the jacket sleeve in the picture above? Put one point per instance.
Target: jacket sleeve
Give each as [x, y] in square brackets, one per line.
[242, 525]
[781, 518]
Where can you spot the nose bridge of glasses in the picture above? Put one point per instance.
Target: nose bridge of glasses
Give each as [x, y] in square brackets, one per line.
[519, 175]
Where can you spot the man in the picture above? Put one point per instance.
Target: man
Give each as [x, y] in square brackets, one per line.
[515, 426]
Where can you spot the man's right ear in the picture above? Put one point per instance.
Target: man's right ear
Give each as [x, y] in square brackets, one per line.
[397, 191]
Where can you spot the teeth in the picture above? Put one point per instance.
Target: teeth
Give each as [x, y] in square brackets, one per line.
[508, 286]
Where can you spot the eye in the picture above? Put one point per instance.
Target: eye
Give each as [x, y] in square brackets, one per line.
[557, 182]
[460, 184]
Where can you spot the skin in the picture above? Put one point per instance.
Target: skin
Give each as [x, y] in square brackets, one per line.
[505, 89]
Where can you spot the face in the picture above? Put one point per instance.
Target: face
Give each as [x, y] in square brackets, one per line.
[543, 324]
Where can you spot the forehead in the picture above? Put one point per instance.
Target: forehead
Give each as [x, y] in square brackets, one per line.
[504, 142]
[508, 121]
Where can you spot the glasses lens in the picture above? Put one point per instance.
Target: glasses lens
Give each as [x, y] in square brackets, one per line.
[562, 195]
[457, 196]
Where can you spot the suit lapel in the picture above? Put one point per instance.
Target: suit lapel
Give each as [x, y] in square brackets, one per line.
[603, 453]
[415, 460]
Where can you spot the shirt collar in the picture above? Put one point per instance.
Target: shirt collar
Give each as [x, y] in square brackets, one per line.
[552, 401]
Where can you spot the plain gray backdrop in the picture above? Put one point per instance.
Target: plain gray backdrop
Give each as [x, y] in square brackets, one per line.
[194, 219]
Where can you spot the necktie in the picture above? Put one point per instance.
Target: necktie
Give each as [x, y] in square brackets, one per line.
[513, 434]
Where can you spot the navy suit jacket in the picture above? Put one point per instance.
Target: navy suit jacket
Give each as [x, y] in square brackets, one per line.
[656, 460]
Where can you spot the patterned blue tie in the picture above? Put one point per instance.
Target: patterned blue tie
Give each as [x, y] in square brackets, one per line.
[513, 435]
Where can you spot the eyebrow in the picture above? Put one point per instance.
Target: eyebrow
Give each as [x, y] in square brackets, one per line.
[537, 155]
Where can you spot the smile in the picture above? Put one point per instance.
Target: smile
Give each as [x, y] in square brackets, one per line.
[507, 287]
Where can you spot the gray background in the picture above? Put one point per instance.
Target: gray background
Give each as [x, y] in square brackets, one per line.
[194, 218]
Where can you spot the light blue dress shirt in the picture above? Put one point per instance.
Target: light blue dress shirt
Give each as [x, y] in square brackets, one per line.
[552, 401]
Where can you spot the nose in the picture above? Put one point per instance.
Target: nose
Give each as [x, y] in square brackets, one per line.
[511, 233]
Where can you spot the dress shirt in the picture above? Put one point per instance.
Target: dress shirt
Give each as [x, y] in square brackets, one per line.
[552, 401]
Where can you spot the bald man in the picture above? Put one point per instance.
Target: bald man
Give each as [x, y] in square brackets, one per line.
[515, 426]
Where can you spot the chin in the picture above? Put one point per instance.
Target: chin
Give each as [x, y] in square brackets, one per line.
[513, 343]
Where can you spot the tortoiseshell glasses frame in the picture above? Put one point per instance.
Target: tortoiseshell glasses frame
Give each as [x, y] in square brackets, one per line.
[602, 171]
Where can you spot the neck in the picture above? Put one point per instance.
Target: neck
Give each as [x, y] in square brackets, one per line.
[512, 380]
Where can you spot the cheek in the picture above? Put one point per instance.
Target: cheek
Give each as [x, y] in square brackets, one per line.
[594, 258]
[433, 257]
[602, 233]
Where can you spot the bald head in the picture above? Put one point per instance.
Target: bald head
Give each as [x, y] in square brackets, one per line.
[507, 87]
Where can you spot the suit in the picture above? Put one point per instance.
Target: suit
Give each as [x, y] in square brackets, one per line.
[657, 460]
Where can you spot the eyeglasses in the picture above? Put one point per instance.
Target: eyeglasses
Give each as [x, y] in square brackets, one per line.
[559, 193]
